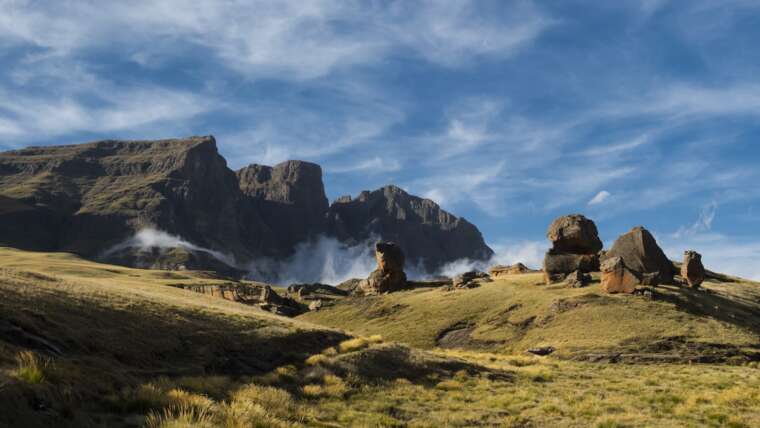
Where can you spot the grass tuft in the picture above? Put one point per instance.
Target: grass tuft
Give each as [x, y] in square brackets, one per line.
[31, 368]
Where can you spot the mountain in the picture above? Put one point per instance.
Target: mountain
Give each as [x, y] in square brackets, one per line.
[428, 235]
[92, 199]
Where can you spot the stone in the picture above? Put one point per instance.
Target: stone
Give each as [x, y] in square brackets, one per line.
[315, 305]
[558, 266]
[692, 270]
[389, 275]
[574, 234]
[575, 247]
[468, 279]
[643, 257]
[499, 271]
[577, 279]
[616, 278]
[542, 350]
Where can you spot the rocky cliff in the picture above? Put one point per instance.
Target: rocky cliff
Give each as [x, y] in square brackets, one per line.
[88, 198]
[429, 236]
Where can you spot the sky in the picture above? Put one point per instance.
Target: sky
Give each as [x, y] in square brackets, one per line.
[508, 113]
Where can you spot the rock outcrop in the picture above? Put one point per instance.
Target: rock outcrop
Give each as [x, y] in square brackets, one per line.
[389, 275]
[470, 279]
[616, 278]
[500, 271]
[89, 198]
[575, 247]
[643, 257]
[430, 236]
[692, 270]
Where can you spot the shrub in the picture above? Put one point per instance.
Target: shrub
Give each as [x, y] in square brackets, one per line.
[181, 416]
[31, 368]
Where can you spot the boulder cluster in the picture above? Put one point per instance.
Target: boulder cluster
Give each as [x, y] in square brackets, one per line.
[635, 258]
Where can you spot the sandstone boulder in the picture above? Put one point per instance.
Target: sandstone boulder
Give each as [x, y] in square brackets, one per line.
[692, 270]
[389, 275]
[574, 234]
[616, 278]
[643, 257]
[575, 247]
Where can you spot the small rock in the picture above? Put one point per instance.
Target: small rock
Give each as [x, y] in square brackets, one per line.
[542, 350]
[467, 279]
[692, 270]
[577, 279]
[315, 305]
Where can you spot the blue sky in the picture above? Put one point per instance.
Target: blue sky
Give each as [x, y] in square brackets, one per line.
[507, 113]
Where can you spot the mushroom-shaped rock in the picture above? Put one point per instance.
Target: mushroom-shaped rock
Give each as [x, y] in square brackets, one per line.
[616, 278]
[574, 234]
[642, 256]
[389, 275]
[575, 247]
[692, 270]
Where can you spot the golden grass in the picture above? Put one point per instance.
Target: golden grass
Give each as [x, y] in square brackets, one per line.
[32, 368]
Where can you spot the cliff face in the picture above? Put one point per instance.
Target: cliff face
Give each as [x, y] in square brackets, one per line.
[98, 194]
[428, 235]
[87, 198]
[290, 198]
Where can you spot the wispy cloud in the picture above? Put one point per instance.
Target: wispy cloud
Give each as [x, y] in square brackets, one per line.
[599, 198]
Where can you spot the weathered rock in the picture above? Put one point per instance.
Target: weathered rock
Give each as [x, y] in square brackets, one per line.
[470, 279]
[643, 257]
[389, 275]
[577, 279]
[290, 199]
[542, 350]
[616, 278]
[575, 247]
[692, 270]
[574, 234]
[558, 266]
[499, 271]
[430, 236]
[316, 288]
[351, 285]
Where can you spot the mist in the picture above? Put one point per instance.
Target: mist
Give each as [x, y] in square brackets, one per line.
[149, 238]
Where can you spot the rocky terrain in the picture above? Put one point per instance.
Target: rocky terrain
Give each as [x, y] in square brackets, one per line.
[89, 198]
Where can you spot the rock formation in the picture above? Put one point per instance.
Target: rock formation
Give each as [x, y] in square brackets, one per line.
[430, 236]
[290, 199]
[577, 279]
[88, 198]
[500, 271]
[616, 278]
[575, 247]
[692, 270]
[470, 279]
[643, 257]
[389, 275]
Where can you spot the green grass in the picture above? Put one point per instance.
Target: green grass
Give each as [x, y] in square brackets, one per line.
[100, 345]
[514, 314]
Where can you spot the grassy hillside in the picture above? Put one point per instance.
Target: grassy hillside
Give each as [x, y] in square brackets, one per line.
[87, 344]
[514, 314]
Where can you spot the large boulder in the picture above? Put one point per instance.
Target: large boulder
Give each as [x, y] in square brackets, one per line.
[430, 236]
[389, 275]
[574, 234]
[692, 270]
[575, 247]
[616, 278]
[643, 257]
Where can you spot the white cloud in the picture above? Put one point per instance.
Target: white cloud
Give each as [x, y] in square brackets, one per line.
[374, 164]
[599, 198]
[703, 223]
[287, 39]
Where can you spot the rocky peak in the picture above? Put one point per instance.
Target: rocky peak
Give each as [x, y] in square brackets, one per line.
[289, 197]
[428, 235]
